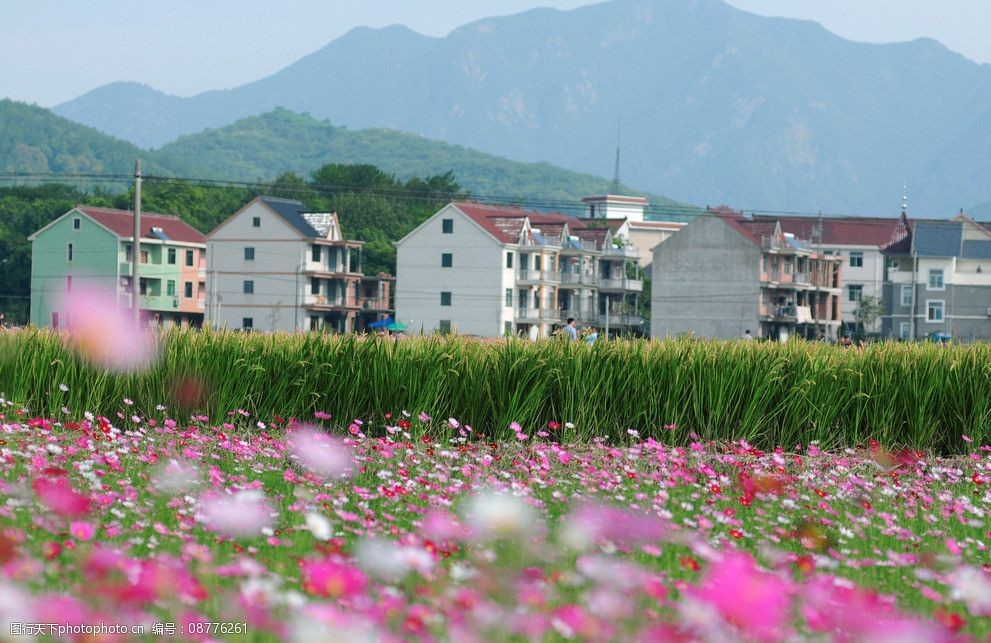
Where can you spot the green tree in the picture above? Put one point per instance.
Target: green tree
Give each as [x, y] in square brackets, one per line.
[869, 310]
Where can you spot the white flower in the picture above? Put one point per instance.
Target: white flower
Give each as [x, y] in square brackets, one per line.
[498, 515]
[319, 526]
[321, 453]
[973, 587]
[64, 387]
[391, 561]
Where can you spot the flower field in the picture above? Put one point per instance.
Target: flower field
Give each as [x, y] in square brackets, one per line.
[251, 529]
[156, 489]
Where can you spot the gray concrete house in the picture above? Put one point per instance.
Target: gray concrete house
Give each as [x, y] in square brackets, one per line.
[939, 281]
[723, 274]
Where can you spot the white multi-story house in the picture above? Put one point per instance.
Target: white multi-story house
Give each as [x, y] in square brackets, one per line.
[273, 266]
[490, 271]
[860, 241]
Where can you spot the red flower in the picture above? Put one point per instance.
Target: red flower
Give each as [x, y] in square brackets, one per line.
[58, 496]
[553, 426]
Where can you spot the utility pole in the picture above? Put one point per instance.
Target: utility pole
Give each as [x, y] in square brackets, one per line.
[817, 233]
[136, 244]
[915, 268]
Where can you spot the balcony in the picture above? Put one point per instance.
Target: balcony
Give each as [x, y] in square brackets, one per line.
[627, 252]
[786, 313]
[158, 302]
[615, 320]
[631, 285]
[375, 304]
[538, 276]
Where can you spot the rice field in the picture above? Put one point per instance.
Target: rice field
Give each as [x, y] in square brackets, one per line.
[917, 396]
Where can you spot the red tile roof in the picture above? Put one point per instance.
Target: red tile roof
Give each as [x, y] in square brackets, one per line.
[846, 231]
[121, 223]
[505, 222]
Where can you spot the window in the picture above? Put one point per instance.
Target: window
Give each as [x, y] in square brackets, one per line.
[893, 264]
[171, 256]
[536, 262]
[444, 326]
[76, 223]
[903, 330]
[314, 322]
[936, 279]
[315, 253]
[256, 222]
[907, 295]
[934, 310]
[144, 256]
[170, 288]
[189, 257]
[524, 261]
[536, 299]
[187, 289]
[447, 226]
[249, 254]
[445, 298]
[524, 297]
[509, 259]
[507, 328]
[314, 286]
[69, 252]
[509, 297]
[128, 253]
[856, 259]
[143, 286]
[446, 260]
[68, 283]
[248, 288]
[248, 323]
[855, 292]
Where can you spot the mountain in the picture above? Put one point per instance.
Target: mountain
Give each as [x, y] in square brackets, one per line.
[714, 104]
[260, 148]
[33, 140]
[279, 141]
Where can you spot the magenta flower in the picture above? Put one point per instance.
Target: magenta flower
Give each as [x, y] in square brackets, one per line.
[753, 600]
[332, 579]
[82, 530]
[58, 496]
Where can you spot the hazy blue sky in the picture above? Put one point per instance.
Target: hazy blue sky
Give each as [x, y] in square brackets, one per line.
[55, 50]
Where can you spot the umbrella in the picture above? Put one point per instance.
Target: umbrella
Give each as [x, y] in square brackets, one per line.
[383, 323]
[395, 326]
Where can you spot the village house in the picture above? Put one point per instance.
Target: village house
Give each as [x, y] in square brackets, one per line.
[93, 246]
[273, 266]
[724, 274]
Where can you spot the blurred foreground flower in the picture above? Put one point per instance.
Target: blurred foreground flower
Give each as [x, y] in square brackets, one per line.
[105, 334]
[499, 515]
[321, 453]
[246, 513]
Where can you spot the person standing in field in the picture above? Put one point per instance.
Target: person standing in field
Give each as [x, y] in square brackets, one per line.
[591, 336]
[747, 336]
[570, 331]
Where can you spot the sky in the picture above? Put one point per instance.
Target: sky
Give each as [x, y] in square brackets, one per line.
[54, 50]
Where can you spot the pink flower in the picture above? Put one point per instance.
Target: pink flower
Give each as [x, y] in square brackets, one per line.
[246, 513]
[332, 579]
[753, 600]
[104, 333]
[82, 530]
[424, 417]
[58, 496]
[320, 452]
[967, 438]
[322, 415]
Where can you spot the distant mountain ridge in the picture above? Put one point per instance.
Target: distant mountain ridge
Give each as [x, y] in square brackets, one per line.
[716, 105]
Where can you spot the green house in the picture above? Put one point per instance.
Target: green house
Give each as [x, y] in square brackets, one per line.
[94, 245]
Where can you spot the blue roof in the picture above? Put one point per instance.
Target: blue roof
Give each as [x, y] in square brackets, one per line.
[977, 249]
[938, 238]
[292, 212]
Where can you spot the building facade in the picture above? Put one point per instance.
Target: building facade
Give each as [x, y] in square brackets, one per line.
[860, 241]
[491, 271]
[723, 274]
[273, 266]
[94, 245]
[939, 281]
